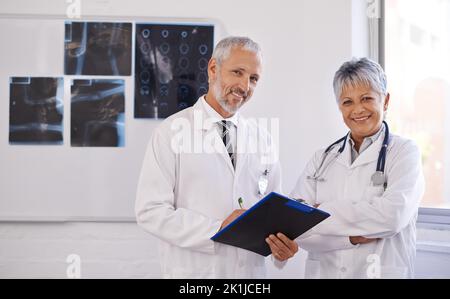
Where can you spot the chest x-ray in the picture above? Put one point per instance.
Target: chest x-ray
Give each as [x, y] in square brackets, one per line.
[171, 64]
[97, 113]
[97, 48]
[36, 110]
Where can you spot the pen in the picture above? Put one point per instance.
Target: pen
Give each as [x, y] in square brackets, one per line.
[241, 202]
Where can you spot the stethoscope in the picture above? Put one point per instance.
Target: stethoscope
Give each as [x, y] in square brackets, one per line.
[378, 178]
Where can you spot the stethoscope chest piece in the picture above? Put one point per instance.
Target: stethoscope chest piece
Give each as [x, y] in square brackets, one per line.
[378, 178]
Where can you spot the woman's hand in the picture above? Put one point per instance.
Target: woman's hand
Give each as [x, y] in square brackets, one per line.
[361, 240]
[282, 247]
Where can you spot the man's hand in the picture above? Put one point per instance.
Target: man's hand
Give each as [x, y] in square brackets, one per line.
[234, 215]
[282, 247]
[361, 240]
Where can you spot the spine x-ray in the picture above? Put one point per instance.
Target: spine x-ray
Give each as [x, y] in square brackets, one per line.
[97, 113]
[97, 48]
[36, 110]
[171, 64]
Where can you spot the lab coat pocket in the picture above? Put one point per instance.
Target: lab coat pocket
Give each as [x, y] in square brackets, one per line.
[312, 269]
[259, 176]
[372, 192]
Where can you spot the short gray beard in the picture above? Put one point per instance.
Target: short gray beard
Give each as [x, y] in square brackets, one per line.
[217, 91]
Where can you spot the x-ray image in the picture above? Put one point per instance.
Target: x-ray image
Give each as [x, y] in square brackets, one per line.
[93, 48]
[36, 110]
[170, 67]
[97, 113]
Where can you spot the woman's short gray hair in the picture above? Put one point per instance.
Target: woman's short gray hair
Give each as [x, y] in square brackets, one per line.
[223, 48]
[360, 72]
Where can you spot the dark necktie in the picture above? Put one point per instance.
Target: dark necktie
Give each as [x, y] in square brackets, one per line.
[226, 138]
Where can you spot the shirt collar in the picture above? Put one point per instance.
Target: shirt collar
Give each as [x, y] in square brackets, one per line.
[211, 113]
[367, 140]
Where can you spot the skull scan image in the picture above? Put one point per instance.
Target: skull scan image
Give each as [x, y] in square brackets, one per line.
[170, 67]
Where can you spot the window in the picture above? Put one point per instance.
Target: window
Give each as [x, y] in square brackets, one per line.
[416, 51]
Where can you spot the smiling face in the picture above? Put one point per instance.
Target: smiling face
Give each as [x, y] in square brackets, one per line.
[363, 110]
[233, 81]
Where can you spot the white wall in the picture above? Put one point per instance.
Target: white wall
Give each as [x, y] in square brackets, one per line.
[303, 41]
[106, 250]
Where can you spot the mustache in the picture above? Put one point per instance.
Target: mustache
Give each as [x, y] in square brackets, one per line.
[239, 91]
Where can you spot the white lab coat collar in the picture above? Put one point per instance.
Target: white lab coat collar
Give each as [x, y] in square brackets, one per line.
[208, 120]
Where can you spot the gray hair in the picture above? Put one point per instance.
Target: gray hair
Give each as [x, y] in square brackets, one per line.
[223, 48]
[360, 72]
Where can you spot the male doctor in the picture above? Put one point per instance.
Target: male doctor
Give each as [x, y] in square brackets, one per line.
[199, 162]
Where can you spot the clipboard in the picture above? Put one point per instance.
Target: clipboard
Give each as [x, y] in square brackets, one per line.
[273, 214]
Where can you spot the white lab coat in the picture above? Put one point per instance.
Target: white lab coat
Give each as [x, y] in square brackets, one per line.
[182, 198]
[358, 208]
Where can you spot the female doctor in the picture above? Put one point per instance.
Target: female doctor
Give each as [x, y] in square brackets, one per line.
[370, 182]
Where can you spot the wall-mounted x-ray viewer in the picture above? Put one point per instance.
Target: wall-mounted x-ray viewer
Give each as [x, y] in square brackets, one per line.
[36, 110]
[71, 194]
[171, 63]
[97, 48]
[98, 113]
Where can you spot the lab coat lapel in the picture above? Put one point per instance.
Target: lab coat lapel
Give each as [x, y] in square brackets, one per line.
[243, 140]
[209, 129]
[345, 157]
[223, 151]
[227, 158]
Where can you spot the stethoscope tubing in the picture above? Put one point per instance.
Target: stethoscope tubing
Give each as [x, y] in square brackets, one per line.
[381, 162]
